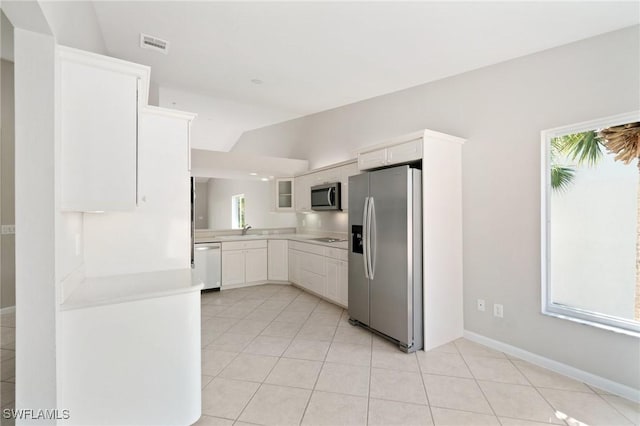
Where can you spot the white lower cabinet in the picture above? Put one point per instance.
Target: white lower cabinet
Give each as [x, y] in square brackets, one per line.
[255, 265]
[324, 274]
[232, 267]
[244, 262]
[294, 266]
[337, 276]
[321, 270]
[278, 260]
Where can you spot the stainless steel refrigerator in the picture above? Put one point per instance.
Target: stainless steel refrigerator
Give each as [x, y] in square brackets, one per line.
[385, 254]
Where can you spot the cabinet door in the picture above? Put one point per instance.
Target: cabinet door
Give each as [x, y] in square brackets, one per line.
[343, 283]
[98, 113]
[278, 260]
[302, 197]
[333, 279]
[313, 282]
[373, 159]
[294, 266]
[408, 151]
[345, 172]
[232, 267]
[256, 265]
[284, 194]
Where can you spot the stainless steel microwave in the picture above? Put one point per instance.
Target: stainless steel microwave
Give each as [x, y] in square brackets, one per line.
[326, 197]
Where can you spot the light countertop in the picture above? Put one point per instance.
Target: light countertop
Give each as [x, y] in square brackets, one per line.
[304, 238]
[114, 289]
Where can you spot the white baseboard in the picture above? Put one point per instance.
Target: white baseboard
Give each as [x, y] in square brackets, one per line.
[567, 370]
[8, 310]
[232, 286]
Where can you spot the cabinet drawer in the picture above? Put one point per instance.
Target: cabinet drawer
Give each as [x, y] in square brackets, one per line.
[244, 245]
[313, 282]
[312, 263]
[336, 253]
[307, 248]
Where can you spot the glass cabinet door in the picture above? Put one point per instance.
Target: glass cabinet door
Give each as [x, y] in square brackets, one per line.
[284, 194]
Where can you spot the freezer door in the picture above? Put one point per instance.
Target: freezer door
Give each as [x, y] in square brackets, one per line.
[358, 301]
[391, 291]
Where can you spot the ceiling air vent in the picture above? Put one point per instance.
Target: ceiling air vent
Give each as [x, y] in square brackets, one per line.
[154, 43]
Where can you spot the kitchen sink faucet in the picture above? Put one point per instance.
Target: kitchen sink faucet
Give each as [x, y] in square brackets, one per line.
[245, 229]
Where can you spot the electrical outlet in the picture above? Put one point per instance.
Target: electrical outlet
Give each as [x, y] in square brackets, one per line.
[481, 305]
[497, 310]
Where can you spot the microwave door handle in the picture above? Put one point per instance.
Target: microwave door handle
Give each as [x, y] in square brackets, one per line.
[329, 197]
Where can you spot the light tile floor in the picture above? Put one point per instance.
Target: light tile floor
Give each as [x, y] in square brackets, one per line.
[275, 355]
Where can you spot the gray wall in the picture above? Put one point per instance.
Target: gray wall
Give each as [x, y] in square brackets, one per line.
[7, 187]
[259, 204]
[501, 110]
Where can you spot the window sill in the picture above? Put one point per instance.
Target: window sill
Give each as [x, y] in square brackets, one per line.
[568, 317]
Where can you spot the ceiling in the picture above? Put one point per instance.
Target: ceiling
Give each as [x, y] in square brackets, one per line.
[317, 56]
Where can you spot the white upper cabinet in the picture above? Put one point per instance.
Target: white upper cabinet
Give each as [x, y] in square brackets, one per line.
[393, 154]
[98, 104]
[404, 152]
[347, 170]
[302, 191]
[373, 159]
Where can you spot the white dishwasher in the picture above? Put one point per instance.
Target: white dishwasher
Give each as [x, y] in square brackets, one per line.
[206, 269]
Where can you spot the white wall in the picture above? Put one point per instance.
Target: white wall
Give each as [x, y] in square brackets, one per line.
[259, 204]
[74, 24]
[35, 221]
[220, 121]
[500, 110]
[595, 218]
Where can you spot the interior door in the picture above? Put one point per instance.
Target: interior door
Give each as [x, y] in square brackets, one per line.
[390, 291]
[358, 282]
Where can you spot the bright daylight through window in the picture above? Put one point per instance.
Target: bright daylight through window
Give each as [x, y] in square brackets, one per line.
[590, 230]
[237, 211]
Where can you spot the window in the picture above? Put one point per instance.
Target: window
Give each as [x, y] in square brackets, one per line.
[590, 223]
[237, 211]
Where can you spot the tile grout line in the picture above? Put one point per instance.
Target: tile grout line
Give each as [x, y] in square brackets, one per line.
[478, 385]
[304, 413]
[424, 386]
[534, 387]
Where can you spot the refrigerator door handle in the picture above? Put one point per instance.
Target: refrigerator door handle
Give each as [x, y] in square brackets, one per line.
[370, 218]
[365, 238]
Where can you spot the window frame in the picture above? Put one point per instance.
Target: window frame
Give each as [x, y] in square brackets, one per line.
[548, 307]
[235, 218]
